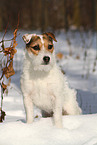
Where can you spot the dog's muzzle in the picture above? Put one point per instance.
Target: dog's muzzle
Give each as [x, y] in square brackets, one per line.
[46, 60]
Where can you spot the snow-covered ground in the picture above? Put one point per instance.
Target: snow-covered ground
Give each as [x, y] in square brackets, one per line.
[78, 130]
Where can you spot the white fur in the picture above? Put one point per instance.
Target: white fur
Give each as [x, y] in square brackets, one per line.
[47, 88]
[27, 37]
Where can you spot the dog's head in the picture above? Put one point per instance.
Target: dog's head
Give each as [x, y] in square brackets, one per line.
[40, 50]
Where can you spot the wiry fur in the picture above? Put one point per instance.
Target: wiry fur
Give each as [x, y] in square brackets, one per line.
[46, 87]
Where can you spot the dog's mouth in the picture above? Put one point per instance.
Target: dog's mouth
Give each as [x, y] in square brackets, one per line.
[45, 63]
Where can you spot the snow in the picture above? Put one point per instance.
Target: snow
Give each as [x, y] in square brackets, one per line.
[77, 130]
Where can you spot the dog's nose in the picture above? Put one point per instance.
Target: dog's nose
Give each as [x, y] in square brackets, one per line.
[46, 59]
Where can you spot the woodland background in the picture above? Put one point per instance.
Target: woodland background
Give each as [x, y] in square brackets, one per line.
[49, 14]
[74, 23]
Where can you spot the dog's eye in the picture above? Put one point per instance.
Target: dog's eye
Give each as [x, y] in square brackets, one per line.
[36, 47]
[50, 46]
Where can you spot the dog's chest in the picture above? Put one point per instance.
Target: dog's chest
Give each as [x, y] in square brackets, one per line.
[43, 94]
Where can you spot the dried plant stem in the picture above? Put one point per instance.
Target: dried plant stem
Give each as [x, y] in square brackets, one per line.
[5, 30]
[9, 39]
[1, 97]
[69, 43]
[88, 68]
[86, 46]
[95, 60]
[7, 69]
[1, 112]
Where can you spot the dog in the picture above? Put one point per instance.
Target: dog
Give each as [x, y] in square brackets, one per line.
[42, 82]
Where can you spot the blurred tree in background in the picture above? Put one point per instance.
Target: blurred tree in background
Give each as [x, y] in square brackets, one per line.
[49, 14]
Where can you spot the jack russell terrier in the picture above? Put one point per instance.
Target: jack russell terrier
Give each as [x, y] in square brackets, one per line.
[42, 82]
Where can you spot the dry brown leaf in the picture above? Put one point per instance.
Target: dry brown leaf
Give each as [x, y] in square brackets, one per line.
[59, 55]
[77, 57]
[7, 50]
[4, 87]
[11, 51]
[36, 116]
[9, 82]
[9, 71]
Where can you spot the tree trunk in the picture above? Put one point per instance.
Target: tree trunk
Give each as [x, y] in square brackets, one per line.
[76, 13]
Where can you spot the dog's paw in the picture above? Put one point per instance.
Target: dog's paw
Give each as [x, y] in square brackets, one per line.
[29, 121]
[59, 125]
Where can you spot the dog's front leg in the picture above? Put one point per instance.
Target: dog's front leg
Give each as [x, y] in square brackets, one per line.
[58, 113]
[29, 109]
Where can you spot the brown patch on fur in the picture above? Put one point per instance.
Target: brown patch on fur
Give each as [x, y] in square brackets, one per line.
[35, 40]
[50, 35]
[45, 37]
[46, 44]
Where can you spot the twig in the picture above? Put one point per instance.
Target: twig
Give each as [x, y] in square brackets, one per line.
[9, 39]
[7, 70]
[1, 96]
[6, 29]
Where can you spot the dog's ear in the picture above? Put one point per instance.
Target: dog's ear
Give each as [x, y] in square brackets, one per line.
[27, 37]
[51, 35]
